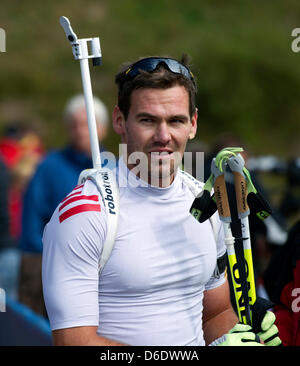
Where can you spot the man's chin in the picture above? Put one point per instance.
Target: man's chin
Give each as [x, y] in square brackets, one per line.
[162, 175]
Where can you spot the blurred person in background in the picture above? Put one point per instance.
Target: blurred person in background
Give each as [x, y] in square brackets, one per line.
[31, 151]
[54, 178]
[9, 144]
[290, 203]
[282, 285]
[9, 258]
[21, 149]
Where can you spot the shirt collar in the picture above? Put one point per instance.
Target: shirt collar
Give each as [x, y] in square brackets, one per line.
[128, 179]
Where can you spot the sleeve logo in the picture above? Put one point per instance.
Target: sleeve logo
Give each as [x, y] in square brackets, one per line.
[76, 203]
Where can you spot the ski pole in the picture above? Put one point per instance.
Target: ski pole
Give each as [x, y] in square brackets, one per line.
[248, 199]
[223, 207]
[236, 164]
[81, 52]
[104, 178]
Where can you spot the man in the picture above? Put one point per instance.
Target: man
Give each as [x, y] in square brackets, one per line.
[158, 286]
[54, 178]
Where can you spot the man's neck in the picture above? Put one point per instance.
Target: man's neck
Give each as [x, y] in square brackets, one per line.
[161, 182]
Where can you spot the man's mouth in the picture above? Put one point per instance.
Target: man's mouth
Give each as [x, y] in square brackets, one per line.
[161, 154]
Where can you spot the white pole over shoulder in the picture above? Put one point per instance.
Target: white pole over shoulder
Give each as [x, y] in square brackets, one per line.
[83, 53]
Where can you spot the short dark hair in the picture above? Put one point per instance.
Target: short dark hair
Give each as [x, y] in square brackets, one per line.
[160, 78]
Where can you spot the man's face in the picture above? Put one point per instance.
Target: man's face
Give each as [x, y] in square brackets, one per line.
[158, 125]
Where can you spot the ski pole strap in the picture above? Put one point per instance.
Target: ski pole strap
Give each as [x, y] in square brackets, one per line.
[249, 198]
[203, 207]
[225, 154]
[257, 203]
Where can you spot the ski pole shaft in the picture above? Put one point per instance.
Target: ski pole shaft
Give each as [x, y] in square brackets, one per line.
[90, 110]
[232, 261]
[236, 165]
[248, 260]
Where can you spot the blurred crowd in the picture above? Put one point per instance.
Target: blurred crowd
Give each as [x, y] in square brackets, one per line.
[33, 182]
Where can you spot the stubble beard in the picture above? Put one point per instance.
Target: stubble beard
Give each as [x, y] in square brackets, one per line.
[161, 170]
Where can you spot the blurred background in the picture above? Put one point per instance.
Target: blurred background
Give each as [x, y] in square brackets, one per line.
[247, 74]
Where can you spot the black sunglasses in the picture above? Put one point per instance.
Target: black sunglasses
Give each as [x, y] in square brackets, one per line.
[150, 64]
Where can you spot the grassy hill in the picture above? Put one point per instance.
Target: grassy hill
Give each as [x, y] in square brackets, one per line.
[248, 77]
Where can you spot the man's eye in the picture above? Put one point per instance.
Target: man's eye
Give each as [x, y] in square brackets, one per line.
[177, 120]
[146, 120]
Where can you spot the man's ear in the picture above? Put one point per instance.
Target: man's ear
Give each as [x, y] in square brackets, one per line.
[118, 121]
[193, 130]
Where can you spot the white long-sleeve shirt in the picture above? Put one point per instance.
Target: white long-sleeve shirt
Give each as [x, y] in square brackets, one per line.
[150, 291]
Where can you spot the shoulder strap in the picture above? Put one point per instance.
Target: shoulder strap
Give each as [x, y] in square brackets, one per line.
[106, 183]
[193, 184]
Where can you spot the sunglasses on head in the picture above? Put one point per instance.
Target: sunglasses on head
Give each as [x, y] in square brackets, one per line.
[150, 64]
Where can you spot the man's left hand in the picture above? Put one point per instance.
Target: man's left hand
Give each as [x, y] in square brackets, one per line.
[269, 331]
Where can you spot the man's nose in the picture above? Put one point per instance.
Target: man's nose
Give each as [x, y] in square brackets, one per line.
[162, 133]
